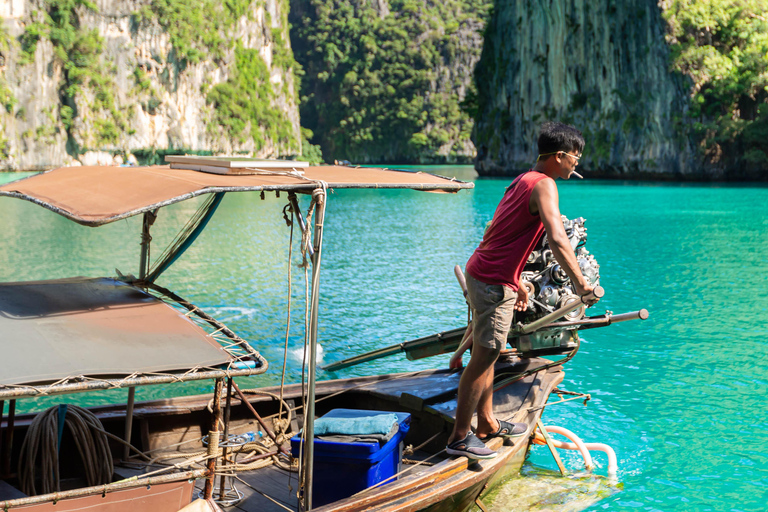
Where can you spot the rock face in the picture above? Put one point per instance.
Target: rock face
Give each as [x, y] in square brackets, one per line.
[384, 79]
[600, 65]
[127, 78]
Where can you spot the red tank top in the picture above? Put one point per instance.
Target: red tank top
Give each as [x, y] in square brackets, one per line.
[511, 237]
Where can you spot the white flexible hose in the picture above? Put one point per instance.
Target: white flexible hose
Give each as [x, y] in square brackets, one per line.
[584, 448]
[579, 444]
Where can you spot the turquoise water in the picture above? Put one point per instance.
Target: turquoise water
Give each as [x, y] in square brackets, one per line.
[679, 396]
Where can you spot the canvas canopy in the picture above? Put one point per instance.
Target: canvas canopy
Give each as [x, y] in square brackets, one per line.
[84, 327]
[100, 194]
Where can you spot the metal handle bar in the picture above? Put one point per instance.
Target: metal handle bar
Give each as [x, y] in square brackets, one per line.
[597, 293]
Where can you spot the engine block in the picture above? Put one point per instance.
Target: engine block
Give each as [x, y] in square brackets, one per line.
[549, 288]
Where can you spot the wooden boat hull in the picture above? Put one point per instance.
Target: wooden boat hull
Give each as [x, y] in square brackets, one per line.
[456, 483]
[451, 483]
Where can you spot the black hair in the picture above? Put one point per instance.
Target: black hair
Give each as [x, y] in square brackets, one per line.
[555, 137]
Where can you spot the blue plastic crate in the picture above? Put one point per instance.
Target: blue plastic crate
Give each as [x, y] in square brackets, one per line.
[343, 469]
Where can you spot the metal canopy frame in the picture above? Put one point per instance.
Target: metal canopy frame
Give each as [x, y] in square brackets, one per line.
[246, 361]
[318, 189]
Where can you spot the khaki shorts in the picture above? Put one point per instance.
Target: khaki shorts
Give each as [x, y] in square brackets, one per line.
[492, 312]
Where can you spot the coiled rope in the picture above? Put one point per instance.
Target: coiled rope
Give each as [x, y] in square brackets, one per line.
[42, 439]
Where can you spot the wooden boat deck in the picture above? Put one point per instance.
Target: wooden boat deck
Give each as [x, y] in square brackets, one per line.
[444, 483]
[430, 397]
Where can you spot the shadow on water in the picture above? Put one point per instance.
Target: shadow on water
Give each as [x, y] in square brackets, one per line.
[539, 489]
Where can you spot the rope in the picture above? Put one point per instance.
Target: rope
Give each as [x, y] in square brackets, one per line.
[410, 450]
[42, 437]
[305, 241]
[289, 222]
[281, 426]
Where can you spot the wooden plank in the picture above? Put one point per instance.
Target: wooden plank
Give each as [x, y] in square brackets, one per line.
[274, 482]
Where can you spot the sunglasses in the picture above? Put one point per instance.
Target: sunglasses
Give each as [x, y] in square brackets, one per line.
[577, 157]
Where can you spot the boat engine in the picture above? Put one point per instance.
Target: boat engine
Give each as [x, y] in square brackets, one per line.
[549, 288]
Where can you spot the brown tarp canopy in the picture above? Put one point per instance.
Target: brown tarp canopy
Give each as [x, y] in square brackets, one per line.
[94, 327]
[101, 194]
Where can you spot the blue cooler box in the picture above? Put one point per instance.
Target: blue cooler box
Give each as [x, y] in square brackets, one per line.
[343, 469]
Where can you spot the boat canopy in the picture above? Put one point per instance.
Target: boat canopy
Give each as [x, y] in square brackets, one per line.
[77, 334]
[96, 195]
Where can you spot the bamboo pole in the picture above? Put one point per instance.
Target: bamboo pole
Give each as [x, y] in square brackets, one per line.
[309, 446]
[213, 439]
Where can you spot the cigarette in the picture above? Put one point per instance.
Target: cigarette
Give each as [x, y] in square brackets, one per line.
[578, 175]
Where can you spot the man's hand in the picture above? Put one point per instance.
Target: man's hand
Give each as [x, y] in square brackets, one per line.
[583, 290]
[456, 363]
[521, 303]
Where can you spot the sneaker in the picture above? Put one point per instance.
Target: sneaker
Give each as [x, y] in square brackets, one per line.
[470, 447]
[507, 429]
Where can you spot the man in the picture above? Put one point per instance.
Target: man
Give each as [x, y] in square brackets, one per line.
[529, 207]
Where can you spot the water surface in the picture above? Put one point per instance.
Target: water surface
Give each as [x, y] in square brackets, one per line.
[679, 397]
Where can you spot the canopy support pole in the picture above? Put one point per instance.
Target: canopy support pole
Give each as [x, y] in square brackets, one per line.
[8, 440]
[224, 463]
[146, 238]
[2, 446]
[318, 195]
[213, 439]
[129, 421]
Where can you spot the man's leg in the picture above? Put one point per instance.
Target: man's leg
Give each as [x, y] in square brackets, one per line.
[473, 387]
[486, 420]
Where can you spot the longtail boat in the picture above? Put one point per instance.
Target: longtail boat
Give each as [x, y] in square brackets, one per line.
[251, 448]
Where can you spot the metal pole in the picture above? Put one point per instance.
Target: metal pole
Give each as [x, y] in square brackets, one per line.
[8, 441]
[213, 439]
[146, 238]
[222, 490]
[2, 445]
[266, 428]
[551, 446]
[597, 293]
[309, 448]
[147, 220]
[129, 421]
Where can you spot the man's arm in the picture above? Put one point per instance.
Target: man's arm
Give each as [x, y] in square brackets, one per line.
[546, 202]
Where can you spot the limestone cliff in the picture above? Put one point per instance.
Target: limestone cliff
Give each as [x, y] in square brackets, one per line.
[87, 82]
[600, 65]
[384, 79]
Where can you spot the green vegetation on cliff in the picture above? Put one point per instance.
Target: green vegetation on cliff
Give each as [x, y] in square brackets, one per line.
[246, 104]
[7, 98]
[78, 51]
[198, 30]
[243, 104]
[382, 79]
[722, 45]
[249, 104]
